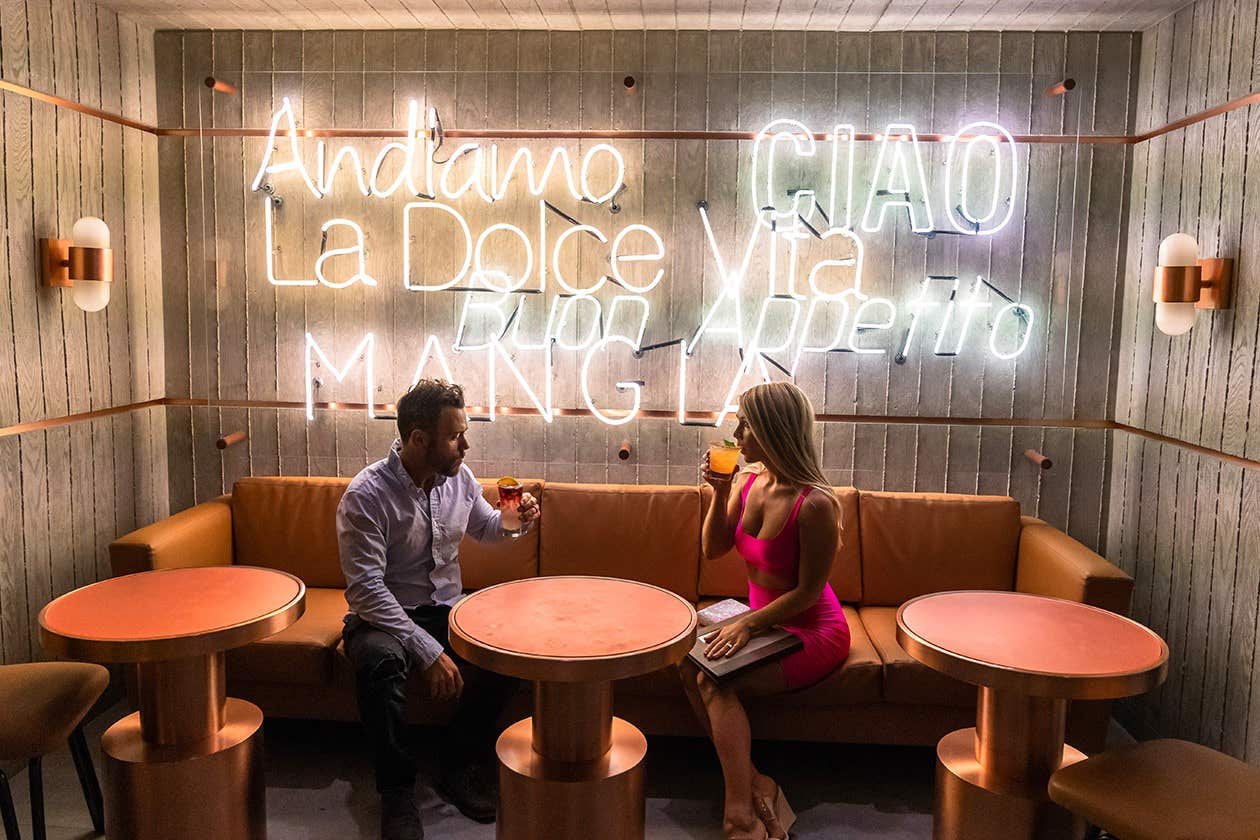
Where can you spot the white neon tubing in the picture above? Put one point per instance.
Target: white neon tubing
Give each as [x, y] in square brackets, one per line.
[536, 184]
[731, 284]
[499, 352]
[366, 348]
[917, 305]
[327, 173]
[856, 261]
[973, 301]
[803, 145]
[555, 260]
[859, 324]
[360, 276]
[646, 310]
[745, 367]
[271, 251]
[406, 243]
[898, 168]
[483, 274]
[978, 228]
[585, 170]
[997, 320]
[682, 382]
[631, 413]
[266, 167]
[566, 314]
[617, 258]
[757, 345]
[469, 304]
[519, 317]
[474, 180]
[802, 347]
[846, 135]
[432, 347]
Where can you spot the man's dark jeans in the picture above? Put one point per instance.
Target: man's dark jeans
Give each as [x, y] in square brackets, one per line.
[381, 670]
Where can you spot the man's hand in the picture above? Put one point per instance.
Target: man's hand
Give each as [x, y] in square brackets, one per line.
[442, 679]
[528, 509]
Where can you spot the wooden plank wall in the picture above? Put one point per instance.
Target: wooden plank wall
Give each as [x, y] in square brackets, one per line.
[69, 490]
[231, 335]
[1184, 523]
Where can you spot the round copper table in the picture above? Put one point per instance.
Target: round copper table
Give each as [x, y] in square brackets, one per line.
[1029, 655]
[572, 770]
[189, 762]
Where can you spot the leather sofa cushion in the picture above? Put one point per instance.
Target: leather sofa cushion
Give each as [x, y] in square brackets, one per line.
[915, 543]
[300, 653]
[858, 680]
[906, 680]
[727, 575]
[485, 565]
[289, 523]
[646, 533]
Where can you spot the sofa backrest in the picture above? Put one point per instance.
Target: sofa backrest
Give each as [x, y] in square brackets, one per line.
[649, 533]
[727, 576]
[290, 523]
[915, 543]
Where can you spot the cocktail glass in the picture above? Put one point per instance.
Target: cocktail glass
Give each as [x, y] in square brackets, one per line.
[510, 491]
[723, 457]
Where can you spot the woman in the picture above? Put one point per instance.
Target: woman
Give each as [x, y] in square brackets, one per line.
[783, 518]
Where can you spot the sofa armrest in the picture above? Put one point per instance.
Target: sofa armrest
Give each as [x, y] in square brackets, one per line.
[198, 536]
[1052, 563]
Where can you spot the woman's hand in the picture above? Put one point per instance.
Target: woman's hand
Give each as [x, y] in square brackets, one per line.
[729, 640]
[718, 481]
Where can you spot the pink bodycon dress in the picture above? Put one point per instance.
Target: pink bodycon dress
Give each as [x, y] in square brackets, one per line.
[822, 627]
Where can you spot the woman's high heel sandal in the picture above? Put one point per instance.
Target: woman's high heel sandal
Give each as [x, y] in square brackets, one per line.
[776, 814]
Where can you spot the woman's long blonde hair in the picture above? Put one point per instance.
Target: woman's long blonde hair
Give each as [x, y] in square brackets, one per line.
[781, 417]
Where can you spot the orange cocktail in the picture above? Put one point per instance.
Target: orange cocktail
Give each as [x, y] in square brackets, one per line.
[723, 457]
[510, 491]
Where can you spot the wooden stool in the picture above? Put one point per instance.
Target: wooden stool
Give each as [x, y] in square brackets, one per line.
[1161, 789]
[43, 704]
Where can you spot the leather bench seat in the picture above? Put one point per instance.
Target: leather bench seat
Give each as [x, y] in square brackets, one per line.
[906, 679]
[302, 652]
[893, 547]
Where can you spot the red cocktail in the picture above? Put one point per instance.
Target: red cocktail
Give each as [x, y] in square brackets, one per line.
[510, 491]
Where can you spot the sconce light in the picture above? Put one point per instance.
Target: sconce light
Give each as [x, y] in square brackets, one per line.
[1184, 283]
[84, 263]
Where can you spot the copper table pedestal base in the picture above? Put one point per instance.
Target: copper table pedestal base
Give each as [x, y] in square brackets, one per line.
[971, 805]
[213, 787]
[578, 800]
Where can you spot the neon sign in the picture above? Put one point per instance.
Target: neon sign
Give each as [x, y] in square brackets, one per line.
[562, 268]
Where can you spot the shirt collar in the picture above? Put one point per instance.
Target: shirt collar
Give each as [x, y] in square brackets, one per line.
[400, 471]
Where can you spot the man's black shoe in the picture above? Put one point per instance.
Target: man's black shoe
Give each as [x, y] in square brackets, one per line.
[400, 818]
[464, 789]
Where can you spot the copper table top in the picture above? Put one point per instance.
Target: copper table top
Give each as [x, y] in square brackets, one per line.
[573, 628]
[172, 613]
[1032, 644]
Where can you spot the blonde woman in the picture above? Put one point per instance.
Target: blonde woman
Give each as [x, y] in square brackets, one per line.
[783, 518]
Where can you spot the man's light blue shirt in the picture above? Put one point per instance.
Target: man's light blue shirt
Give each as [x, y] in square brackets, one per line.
[399, 546]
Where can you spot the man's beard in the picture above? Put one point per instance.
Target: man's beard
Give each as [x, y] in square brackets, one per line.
[449, 467]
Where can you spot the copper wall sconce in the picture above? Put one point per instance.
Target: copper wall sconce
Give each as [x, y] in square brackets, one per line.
[1185, 283]
[83, 263]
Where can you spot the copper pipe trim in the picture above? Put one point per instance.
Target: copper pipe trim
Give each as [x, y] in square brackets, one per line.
[220, 86]
[62, 102]
[1037, 458]
[231, 440]
[1061, 88]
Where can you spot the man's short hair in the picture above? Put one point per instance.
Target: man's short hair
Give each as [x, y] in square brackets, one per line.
[421, 407]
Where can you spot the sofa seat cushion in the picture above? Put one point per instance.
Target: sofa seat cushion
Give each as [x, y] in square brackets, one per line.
[302, 652]
[906, 680]
[856, 681]
[916, 543]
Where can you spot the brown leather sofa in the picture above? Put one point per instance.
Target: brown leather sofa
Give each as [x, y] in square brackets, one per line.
[895, 546]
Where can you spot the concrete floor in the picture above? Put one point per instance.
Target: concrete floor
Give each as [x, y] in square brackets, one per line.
[319, 787]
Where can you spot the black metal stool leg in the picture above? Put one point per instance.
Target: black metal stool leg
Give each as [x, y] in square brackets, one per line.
[36, 773]
[87, 779]
[7, 813]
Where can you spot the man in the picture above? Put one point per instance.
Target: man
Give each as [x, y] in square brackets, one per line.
[399, 526]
